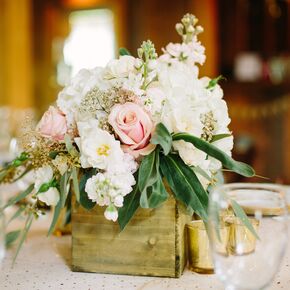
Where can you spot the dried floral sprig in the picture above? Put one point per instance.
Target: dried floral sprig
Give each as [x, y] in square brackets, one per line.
[210, 124]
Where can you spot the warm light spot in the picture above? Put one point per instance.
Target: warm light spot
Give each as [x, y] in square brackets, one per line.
[103, 150]
[91, 41]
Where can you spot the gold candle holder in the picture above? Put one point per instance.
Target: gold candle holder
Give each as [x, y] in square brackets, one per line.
[241, 240]
[199, 254]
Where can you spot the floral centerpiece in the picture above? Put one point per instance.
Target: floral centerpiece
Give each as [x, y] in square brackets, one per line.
[118, 134]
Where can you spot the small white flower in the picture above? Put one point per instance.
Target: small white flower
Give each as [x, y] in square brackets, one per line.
[42, 175]
[111, 213]
[50, 197]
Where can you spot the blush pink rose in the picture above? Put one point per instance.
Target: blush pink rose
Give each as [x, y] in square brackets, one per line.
[134, 127]
[53, 124]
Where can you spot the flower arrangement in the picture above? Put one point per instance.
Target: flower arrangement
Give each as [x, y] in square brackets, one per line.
[117, 134]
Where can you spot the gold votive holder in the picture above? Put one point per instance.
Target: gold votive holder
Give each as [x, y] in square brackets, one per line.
[241, 240]
[199, 254]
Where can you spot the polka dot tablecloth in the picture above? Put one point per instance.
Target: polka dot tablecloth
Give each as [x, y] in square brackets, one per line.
[44, 263]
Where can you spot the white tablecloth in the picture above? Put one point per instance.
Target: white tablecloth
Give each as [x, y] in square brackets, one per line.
[44, 263]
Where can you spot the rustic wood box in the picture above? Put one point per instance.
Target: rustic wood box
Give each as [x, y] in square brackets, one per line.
[152, 244]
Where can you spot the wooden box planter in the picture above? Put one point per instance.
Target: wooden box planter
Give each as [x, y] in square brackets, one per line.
[152, 244]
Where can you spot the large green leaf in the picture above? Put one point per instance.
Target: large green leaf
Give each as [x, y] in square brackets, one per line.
[148, 170]
[131, 204]
[84, 200]
[185, 184]
[238, 167]
[162, 137]
[19, 196]
[156, 194]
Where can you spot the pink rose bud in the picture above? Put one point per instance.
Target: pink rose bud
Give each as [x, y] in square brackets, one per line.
[53, 124]
[134, 127]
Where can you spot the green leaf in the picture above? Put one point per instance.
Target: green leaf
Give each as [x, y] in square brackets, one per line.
[63, 187]
[23, 235]
[219, 137]
[201, 172]
[184, 183]
[20, 196]
[16, 214]
[162, 137]
[238, 167]
[148, 175]
[212, 83]
[123, 51]
[11, 237]
[56, 214]
[76, 183]
[68, 143]
[84, 200]
[157, 194]
[148, 170]
[130, 205]
[240, 213]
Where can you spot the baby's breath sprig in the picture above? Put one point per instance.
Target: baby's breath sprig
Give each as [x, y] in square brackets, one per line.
[187, 29]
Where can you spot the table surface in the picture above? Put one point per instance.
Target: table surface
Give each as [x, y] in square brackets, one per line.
[44, 263]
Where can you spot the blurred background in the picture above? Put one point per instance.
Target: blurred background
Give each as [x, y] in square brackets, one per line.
[45, 42]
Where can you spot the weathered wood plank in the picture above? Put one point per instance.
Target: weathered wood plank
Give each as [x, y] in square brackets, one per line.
[153, 243]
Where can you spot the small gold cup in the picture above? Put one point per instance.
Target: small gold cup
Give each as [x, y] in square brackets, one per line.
[199, 253]
[241, 241]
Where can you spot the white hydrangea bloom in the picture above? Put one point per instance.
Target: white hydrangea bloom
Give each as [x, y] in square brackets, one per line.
[71, 96]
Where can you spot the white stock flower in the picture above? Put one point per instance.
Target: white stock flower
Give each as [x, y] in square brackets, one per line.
[189, 53]
[109, 189]
[99, 149]
[50, 197]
